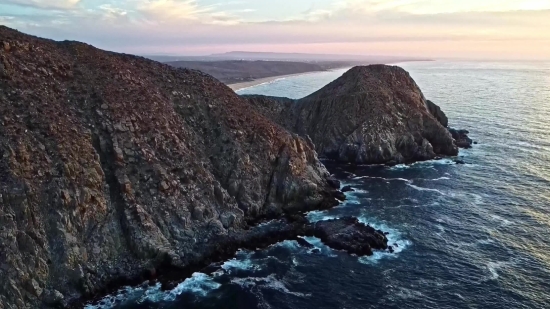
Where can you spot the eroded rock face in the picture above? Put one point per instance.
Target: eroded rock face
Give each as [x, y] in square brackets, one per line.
[111, 164]
[438, 114]
[372, 114]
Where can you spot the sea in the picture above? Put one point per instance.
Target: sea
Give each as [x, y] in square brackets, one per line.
[466, 236]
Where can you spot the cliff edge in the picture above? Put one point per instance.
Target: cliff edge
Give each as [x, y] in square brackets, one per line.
[370, 115]
[112, 164]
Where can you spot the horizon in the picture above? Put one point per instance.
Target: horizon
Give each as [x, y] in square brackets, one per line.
[435, 29]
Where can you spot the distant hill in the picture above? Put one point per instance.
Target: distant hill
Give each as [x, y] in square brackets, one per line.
[300, 57]
[245, 55]
[236, 71]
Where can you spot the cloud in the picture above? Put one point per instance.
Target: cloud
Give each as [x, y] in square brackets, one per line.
[352, 26]
[442, 6]
[44, 4]
[169, 10]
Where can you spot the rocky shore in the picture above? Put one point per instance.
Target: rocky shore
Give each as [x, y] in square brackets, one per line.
[373, 114]
[115, 169]
[112, 165]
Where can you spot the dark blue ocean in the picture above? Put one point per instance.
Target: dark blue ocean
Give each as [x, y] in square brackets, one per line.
[468, 236]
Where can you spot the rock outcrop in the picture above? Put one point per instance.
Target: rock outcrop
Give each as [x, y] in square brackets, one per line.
[112, 164]
[460, 136]
[438, 114]
[371, 115]
[350, 235]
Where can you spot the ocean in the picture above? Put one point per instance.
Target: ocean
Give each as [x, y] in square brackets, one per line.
[468, 236]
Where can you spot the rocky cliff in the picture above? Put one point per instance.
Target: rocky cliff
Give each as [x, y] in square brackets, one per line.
[372, 114]
[111, 164]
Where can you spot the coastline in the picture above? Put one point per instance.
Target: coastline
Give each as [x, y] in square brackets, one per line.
[265, 80]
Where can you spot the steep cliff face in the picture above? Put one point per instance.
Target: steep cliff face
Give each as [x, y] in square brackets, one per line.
[111, 164]
[372, 114]
[437, 113]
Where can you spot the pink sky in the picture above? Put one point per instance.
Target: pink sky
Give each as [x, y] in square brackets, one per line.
[473, 29]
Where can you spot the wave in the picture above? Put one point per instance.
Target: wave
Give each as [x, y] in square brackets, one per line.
[493, 268]
[395, 239]
[199, 284]
[270, 282]
[382, 178]
[319, 245]
[425, 189]
[243, 261]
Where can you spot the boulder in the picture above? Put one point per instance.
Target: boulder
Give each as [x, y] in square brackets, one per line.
[350, 235]
[461, 138]
[347, 189]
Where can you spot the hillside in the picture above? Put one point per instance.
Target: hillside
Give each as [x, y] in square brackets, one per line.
[114, 167]
[371, 115]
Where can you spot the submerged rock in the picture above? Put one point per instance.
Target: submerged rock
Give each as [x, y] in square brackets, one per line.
[350, 235]
[347, 189]
[304, 243]
[371, 115]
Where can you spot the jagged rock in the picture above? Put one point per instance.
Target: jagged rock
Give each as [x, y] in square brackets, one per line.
[304, 243]
[461, 138]
[437, 113]
[116, 197]
[371, 115]
[340, 196]
[347, 189]
[335, 183]
[53, 298]
[350, 235]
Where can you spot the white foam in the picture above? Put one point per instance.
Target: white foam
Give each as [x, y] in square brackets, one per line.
[265, 223]
[318, 244]
[423, 164]
[394, 237]
[241, 262]
[110, 301]
[493, 268]
[291, 245]
[504, 222]
[440, 178]
[316, 216]
[441, 229]
[405, 293]
[351, 201]
[382, 178]
[266, 282]
[424, 189]
[199, 284]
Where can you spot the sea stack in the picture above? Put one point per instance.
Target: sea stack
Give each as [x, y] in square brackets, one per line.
[372, 114]
[112, 164]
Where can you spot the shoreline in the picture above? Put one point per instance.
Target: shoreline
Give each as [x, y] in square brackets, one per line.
[264, 80]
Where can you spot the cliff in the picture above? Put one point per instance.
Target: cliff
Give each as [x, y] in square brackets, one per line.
[112, 164]
[372, 114]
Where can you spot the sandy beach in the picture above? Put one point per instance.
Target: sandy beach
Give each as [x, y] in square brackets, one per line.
[239, 86]
[252, 83]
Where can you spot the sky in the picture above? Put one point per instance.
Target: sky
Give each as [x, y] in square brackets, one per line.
[469, 29]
